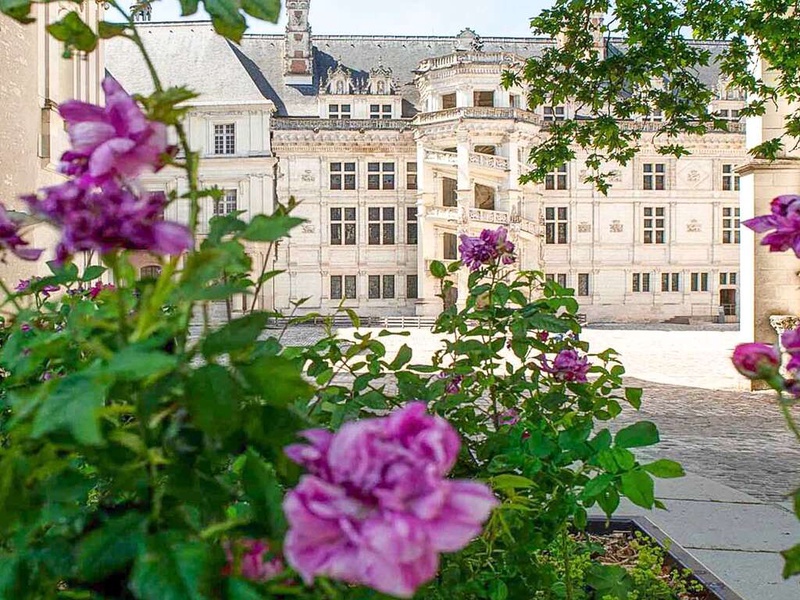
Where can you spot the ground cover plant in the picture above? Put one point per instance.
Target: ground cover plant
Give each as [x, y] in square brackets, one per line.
[139, 461]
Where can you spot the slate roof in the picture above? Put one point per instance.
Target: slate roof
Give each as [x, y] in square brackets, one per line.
[190, 53]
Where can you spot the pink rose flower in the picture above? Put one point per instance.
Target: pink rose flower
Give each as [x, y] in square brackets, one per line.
[568, 366]
[254, 560]
[509, 417]
[486, 249]
[11, 240]
[757, 361]
[376, 508]
[115, 139]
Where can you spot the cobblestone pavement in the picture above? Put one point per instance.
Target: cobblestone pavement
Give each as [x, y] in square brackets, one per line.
[739, 439]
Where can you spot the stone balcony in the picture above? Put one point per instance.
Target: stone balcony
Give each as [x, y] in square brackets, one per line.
[441, 157]
[488, 161]
[477, 112]
[316, 124]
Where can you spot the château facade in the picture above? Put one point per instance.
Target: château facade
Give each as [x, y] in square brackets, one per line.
[394, 146]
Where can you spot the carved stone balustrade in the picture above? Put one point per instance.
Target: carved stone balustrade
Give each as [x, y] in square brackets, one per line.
[489, 161]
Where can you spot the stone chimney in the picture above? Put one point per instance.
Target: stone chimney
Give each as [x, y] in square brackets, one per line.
[298, 57]
[142, 12]
[596, 21]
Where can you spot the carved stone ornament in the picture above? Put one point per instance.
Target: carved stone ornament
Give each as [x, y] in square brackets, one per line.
[584, 227]
[307, 176]
[616, 226]
[693, 176]
[694, 226]
[308, 228]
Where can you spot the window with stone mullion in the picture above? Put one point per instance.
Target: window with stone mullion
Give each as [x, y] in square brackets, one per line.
[654, 176]
[380, 225]
[380, 111]
[655, 229]
[730, 225]
[380, 176]
[556, 225]
[225, 138]
[226, 204]
[343, 226]
[339, 111]
[557, 180]
[343, 175]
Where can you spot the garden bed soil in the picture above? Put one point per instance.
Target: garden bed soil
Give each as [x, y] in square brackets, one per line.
[616, 534]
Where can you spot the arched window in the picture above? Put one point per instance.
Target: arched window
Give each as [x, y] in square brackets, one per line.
[150, 272]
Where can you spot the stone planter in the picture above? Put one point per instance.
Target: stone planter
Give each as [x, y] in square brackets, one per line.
[676, 556]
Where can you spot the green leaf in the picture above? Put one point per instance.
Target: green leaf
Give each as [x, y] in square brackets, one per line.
[508, 481]
[634, 397]
[93, 272]
[74, 33]
[266, 10]
[608, 500]
[791, 559]
[277, 380]
[189, 7]
[135, 363]
[665, 469]
[638, 486]
[597, 485]
[239, 334]
[73, 404]
[265, 494]
[172, 569]
[241, 589]
[643, 433]
[498, 590]
[107, 30]
[112, 547]
[214, 399]
[265, 228]
[19, 10]
[226, 18]
[438, 269]
[403, 357]
[609, 580]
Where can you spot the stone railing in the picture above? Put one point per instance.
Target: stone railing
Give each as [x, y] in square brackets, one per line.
[314, 124]
[445, 213]
[488, 160]
[488, 216]
[458, 58]
[440, 156]
[477, 112]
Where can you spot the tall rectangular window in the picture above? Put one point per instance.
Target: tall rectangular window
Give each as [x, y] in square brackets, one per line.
[730, 224]
[225, 138]
[226, 204]
[485, 99]
[556, 225]
[343, 226]
[448, 101]
[343, 175]
[343, 286]
[730, 179]
[380, 225]
[411, 176]
[640, 282]
[670, 282]
[583, 284]
[699, 282]
[450, 250]
[514, 101]
[655, 228]
[411, 225]
[380, 111]
[412, 289]
[654, 176]
[554, 113]
[727, 278]
[449, 192]
[339, 111]
[556, 180]
[380, 176]
[560, 278]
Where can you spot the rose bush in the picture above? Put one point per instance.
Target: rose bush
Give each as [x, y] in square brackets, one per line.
[140, 461]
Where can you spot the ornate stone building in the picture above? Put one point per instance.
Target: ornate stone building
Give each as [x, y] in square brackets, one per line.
[36, 78]
[396, 145]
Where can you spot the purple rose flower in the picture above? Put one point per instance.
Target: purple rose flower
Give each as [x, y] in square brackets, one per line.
[453, 386]
[11, 240]
[376, 508]
[98, 287]
[22, 285]
[509, 417]
[109, 216]
[784, 222]
[115, 139]
[486, 249]
[25, 327]
[254, 560]
[568, 366]
[757, 361]
[791, 342]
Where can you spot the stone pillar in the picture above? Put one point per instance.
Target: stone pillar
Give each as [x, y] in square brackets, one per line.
[769, 283]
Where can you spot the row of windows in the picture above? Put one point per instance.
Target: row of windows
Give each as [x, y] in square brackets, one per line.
[345, 111]
[673, 282]
[654, 225]
[345, 287]
[380, 176]
[381, 223]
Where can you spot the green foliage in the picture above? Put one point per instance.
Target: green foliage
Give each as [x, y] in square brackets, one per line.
[74, 33]
[648, 57]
